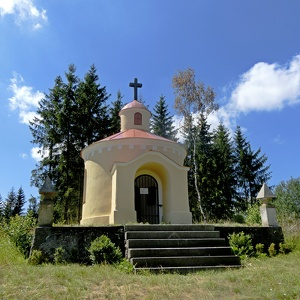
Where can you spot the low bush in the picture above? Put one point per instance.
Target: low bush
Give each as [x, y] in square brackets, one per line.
[272, 250]
[103, 250]
[36, 258]
[125, 266]
[253, 215]
[20, 231]
[59, 256]
[241, 244]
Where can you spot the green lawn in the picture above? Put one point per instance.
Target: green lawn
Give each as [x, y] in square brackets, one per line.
[264, 278]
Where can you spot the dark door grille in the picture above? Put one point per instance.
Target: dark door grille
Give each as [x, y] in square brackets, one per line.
[146, 199]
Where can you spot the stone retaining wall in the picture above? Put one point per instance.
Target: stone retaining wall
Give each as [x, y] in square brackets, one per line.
[76, 239]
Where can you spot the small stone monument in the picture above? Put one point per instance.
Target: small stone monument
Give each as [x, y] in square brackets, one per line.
[267, 209]
[46, 209]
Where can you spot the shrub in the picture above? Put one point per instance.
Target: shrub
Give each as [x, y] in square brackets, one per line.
[20, 231]
[272, 251]
[239, 218]
[125, 266]
[253, 215]
[103, 250]
[285, 248]
[259, 248]
[36, 258]
[59, 256]
[241, 244]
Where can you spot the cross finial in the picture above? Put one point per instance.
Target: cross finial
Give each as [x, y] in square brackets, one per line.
[135, 86]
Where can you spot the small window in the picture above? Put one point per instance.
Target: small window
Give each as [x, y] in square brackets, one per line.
[137, 118]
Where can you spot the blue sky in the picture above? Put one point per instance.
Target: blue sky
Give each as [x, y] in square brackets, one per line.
[248, 51]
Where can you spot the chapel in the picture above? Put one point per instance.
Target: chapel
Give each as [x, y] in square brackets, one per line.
[135, 176]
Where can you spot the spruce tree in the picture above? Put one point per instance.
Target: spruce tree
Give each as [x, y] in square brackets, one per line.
[73, 115]
[20, 202]
[2, 206]
[224, 182]
[10, 203]
[32, 207]
[114, 113]
[162, 121]
[251, 170]
[204, 163]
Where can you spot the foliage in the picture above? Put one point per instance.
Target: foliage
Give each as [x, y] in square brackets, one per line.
[20, 231]
[33, 207]
[103, 250]
[162, 121]
[10, 204]
[253, 215]
[287, 201]
[272, 251]
[241, 244]
[251, 171]
[71, 116]
[36, 258]
[223, 182]
[194, 102]
[285, 248]
[2, 207]
[259, 248]
[239, 218]
[114, 113]
[9, 253]
[20, 201]
[125, 266]
[59, 256]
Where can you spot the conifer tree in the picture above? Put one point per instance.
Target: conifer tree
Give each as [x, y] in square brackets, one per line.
[20, 202]
[251, 171]
[205, 168]
[32, 207]
[2, 206]
[224, 182]
[73, 115]
[10, 203]
[114, 113]
[162, 121]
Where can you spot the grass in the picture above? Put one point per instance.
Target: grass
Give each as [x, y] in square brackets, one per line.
[262, 278]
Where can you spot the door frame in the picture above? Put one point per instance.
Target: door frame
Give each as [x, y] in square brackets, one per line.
[159, 187]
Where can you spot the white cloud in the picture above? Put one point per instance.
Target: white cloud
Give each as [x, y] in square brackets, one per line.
[265, 87]
[23, 155]
[23, 10]
[24, 99]
[38, 154]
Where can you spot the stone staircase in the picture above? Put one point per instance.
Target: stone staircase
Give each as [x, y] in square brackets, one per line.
[177, 248]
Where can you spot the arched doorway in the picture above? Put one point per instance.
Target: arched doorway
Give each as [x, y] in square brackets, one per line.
[146, 199]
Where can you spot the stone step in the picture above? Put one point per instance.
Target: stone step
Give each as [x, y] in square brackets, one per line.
[174, 243]
[195, 251]
[177, 248]
[170, 234]
[169, 227]
[183, 261]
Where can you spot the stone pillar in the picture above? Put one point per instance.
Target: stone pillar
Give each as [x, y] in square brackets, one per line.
[267, 209]
[46, 209]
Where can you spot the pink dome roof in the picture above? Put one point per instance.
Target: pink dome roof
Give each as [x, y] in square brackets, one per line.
[135, 133]
[135, 104]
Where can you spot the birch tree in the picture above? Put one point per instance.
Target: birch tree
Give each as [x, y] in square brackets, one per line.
[194, 102]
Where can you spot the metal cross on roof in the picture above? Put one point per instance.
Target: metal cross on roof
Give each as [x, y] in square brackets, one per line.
[135, 86]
